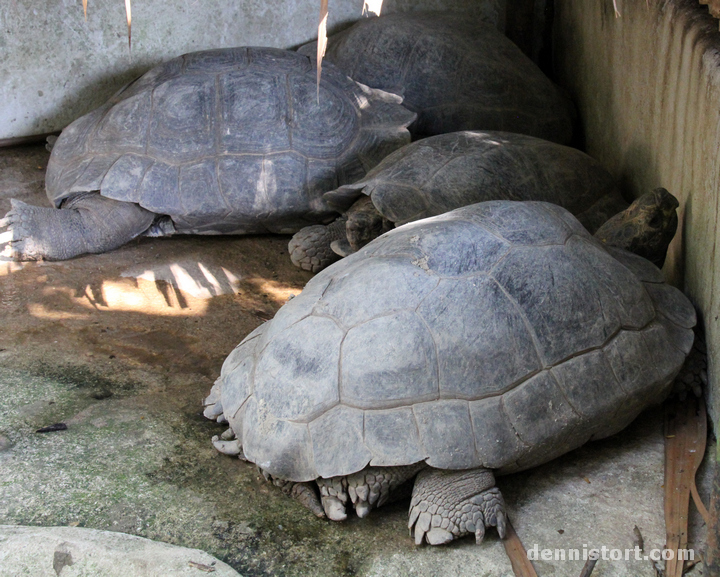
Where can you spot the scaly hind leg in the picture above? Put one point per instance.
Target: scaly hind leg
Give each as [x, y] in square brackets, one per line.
[88, 223]
[449, 504]
[366, 489]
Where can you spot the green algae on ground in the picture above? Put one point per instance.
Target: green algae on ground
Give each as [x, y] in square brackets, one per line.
[142, 463]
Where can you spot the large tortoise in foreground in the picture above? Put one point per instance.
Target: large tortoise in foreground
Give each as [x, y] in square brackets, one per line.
[230, 141]
[484, 341]
[455, 71]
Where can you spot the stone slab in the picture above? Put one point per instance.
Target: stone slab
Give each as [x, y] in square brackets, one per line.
[80, 552]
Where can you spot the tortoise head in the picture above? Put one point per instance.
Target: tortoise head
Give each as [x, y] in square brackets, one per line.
[364, 223]
[646, 227]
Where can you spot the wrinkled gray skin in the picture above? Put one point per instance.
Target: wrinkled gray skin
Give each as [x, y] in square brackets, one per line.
[457, 73]
[229, 141]
[484, 341]
[442, 173]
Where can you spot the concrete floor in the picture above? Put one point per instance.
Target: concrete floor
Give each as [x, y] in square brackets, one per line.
[122, 347]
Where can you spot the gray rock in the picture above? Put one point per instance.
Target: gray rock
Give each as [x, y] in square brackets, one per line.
[79, 552]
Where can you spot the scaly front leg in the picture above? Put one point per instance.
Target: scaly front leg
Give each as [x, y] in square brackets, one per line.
[449, 504]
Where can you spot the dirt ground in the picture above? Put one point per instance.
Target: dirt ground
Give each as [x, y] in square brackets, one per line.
[122, 347]
[144, 305]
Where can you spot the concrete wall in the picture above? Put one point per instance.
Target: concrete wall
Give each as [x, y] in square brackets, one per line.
[648, 88]
[54, 66]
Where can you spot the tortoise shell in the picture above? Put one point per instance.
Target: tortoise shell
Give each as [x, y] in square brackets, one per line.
[456, 72]
[440, 173]
[499, 335]
[235, 140]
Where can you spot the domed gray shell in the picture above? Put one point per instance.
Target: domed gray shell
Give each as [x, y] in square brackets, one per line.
[498, 335]
[441, 173]
[230, 141]
[457, 73]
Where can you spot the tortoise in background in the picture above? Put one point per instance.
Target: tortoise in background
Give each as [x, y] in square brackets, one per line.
[441, 173]
[456, 72]
[230, 141]
[484, 341]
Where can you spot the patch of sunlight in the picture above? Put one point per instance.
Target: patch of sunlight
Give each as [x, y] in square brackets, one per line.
[147, 297]
[197, 279]
[279, 291]
[8, 266]
[40, 311]
[372, 7]
[116, 296]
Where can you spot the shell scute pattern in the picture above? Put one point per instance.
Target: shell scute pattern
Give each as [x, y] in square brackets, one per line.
[538, 410]
[491, 368]
[474, 324]
[379, 373]
[588, 384]
[257, 102]
[360, 292]
[296, 377]
[625, 302]
[96, 171]
[182, 127]
[456, 73]
[334, 454]
[127, 122]
[642, 268]
[497, 443]
[158, 190]
[393, 437]
[229, 141]
[125, 174]
[281, 447]
[446, 434]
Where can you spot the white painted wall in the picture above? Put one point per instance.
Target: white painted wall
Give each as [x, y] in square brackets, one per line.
[54, 66]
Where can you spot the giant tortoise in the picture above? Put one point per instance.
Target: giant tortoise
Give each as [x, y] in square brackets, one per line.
[484, 341]
[228, 141]
[456, 72]
[440, 173]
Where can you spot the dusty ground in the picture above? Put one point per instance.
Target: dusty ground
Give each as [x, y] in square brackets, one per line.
[123, 346]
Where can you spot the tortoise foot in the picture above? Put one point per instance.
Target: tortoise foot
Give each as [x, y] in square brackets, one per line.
[305, 494]
[374, 486]
[88, 223]
[232, 448]
[310, 247]
[447, 505]
[23, 238]
[366, 490]
[341, 247]
[334, 497]
[364, 223]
